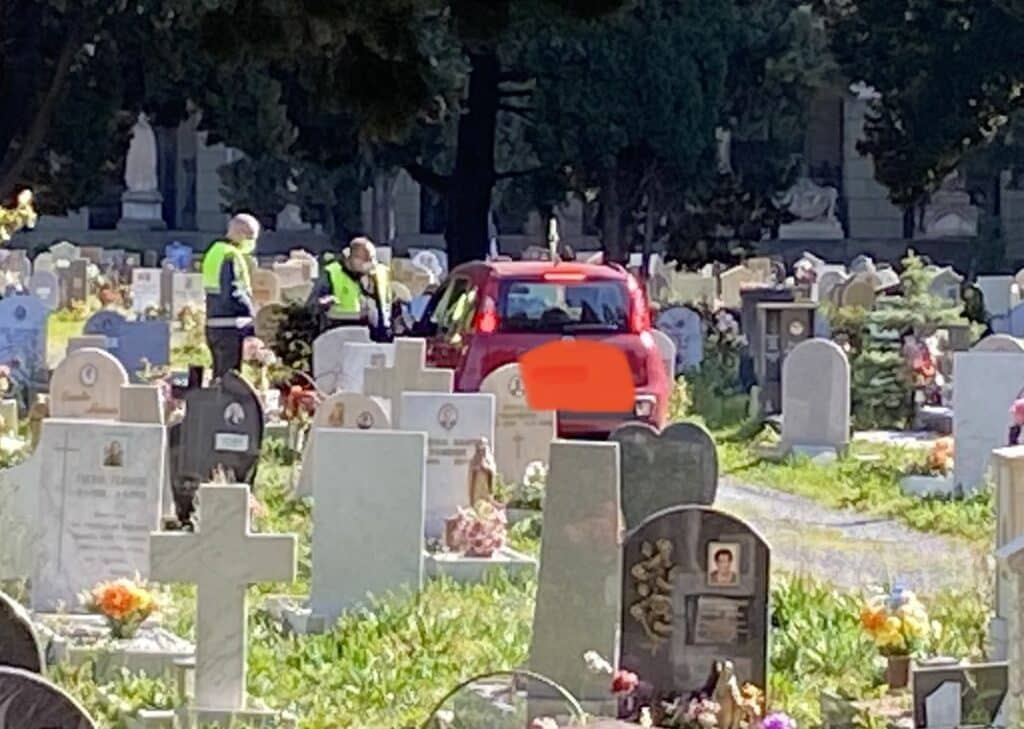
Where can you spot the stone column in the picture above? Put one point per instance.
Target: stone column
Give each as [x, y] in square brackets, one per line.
[1011, 561]
[1008, 471]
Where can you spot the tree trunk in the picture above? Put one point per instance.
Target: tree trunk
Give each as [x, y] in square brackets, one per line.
[469, 194]
[382, 223]
[613, 240]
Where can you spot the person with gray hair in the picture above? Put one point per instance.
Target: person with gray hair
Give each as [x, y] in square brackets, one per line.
[229, 307]
[355, 290]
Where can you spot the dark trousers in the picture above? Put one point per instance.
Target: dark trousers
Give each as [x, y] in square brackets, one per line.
[225, 345]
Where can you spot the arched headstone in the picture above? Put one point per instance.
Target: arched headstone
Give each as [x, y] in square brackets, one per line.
[19, 644]
[677, 467]
[23, 337]
[816, 396]
[28, 701]
[999, 343]
[686, 328]
[87, 384]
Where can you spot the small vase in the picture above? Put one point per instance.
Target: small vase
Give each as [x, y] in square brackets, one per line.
[897, 672]
[123, 630]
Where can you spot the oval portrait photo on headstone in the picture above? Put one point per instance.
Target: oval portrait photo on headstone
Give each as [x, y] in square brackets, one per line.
[234, 414]
[448, 416]
[89, 375]
[364, 421]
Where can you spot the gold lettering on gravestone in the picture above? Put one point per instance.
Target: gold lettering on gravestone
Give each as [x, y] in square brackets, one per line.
[652, 580]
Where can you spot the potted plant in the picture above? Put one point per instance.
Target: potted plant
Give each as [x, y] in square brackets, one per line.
[898, 625]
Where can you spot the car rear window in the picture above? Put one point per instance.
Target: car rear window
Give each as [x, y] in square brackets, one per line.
[545, 306]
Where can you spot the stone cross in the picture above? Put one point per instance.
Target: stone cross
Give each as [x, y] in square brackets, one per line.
[408, 374]
[1011, 559]
[223, 557]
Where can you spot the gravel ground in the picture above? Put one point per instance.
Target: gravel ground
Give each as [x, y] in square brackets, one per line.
[849, 548]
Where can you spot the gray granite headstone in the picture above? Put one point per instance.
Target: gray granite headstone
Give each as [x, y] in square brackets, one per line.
[45, 285]
[686, 328]
[223, 427]
[679, 467]
[694, 591]
[983, 687]
[28, 701]
[78, 280]
[23, 337]
[133, 342]
[19, 645]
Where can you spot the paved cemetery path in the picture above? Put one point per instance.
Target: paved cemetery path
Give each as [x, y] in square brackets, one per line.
[849, 548]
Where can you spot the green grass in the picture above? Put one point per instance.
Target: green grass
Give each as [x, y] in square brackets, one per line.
[868, 486]
[387, 666]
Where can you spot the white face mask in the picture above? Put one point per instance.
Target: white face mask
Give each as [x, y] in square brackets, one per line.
[363, 266]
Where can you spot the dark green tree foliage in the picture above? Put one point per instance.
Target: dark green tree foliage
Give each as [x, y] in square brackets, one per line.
[948, 73]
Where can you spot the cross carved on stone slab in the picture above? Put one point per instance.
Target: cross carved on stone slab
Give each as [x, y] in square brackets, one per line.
[223, 557]
[407, 375]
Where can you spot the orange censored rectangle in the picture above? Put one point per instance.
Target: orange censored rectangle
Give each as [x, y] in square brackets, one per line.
[581, 376]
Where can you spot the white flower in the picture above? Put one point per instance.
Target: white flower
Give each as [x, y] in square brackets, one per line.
[596, 663]
[646, 720]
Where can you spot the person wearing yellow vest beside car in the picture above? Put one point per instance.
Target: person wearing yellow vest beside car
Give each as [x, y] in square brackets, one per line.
[229, 308]
[355, 290]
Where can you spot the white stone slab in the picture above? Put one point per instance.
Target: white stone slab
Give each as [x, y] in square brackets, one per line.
[145, 289]
[453, 424]
[99, 497]
[19, 526]
[409, 374]
[369, 491]
[944, 707]
[816, 396]
[987, 383]
[327, 354]
[187, 291]
[341, 410]
[355, 359]
[522, 434]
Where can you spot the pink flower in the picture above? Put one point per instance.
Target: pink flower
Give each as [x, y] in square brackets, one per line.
[624, 683]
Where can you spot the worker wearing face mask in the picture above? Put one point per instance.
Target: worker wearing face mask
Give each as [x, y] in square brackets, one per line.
[229, 307]
[355, 290]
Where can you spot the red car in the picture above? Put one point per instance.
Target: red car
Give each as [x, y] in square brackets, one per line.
[486, 315]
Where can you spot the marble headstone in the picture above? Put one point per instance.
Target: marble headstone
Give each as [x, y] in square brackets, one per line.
[1000, 343]
[578, 605]
[694, 591]
[327, 350]
[19, 644]
[522, 435]
[678, 467]
[133, 343]
[686, 328]
[45, 286]
[99, 497]
[87, 384]
[987, 383]
[341, 410]
[369, 490]
[187, 292]
[19, 526]
[29, 701]
[223, 558]
[408, 374]
[997, 293]
[266, 289]
[816, 396]
[453, 424]
[23, 337]
[356, 358]
[146, 289]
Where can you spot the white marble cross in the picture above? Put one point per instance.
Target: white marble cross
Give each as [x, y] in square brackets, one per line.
[222, 558]
[407, 375]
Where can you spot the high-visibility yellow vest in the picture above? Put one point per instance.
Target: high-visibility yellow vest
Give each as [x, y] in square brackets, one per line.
[346, 292]
[214, 259]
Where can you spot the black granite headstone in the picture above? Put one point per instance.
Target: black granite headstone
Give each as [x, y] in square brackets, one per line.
[694, 591]
[19, 645]
[28, 701]
[679, 467]
[983, 690]
[222, 432]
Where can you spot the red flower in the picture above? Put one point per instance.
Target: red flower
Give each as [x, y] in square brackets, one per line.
[624, 683]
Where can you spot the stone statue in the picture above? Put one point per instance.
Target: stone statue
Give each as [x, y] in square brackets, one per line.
[728, 697]
[949, 213]
[809, 201]
[482, 473]
[723, 137]
[140, 165]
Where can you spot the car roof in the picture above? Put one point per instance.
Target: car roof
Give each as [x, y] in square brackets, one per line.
[536, 269]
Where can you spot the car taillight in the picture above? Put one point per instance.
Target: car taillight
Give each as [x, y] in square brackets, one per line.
[487, 319]
[564, 276]
[639, 314]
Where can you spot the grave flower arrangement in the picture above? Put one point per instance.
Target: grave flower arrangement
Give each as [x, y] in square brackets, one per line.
[898, 625]
[125, 603]
[479, 531]
[937, 462]
[1017, 416]
[21, 215]
[530, 493]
